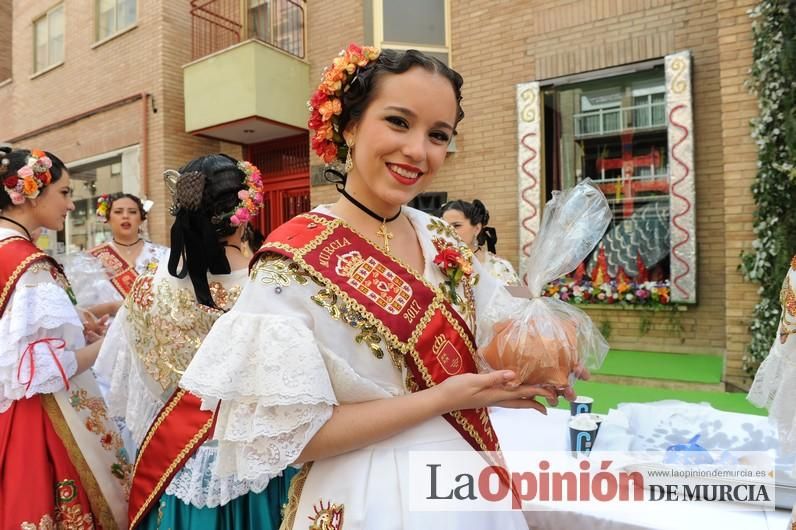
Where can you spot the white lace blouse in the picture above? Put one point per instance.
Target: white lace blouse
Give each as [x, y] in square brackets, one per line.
[774, 386]
[90, 280]
[151, 341]
[39, 308]
[288, 352]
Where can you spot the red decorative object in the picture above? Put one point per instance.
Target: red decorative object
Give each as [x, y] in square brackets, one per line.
[627, 188]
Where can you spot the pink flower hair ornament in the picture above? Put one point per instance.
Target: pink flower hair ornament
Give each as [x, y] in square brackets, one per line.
[29, 180]
[326, 106]
[252, 198]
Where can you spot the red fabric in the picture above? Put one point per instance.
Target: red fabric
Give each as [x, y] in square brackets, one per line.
[180, 426]
[13, 252]
[33, 463]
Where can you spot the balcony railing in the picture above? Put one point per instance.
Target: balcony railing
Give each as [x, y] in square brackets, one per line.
[601, 122]
[218, 24]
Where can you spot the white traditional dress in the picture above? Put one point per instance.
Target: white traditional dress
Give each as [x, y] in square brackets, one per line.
[62, 460]
[297, 344]
[500, 269]
[153, 338]
[102, 275]
[774, 386]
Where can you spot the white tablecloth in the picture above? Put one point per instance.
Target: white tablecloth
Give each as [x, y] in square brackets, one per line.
[527, 430]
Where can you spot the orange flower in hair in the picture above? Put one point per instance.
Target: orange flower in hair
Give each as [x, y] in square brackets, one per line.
[326, 102]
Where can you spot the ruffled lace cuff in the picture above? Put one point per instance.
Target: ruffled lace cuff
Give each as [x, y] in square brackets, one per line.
[199, 484]
[274, 389]
[37, 312]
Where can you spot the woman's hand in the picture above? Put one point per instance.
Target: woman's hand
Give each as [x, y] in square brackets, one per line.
[93, 328]
[578, 372]
[469, 391]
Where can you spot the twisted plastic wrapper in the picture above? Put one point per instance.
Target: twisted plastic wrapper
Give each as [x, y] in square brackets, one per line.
[547, 338]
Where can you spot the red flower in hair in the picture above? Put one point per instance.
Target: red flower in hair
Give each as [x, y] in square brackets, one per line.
[11, 182]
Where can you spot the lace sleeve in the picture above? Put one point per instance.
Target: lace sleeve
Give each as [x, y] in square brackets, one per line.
[773, 386]
[263, 362]
[40, 330]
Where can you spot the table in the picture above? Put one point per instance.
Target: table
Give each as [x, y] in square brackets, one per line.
[527, 430]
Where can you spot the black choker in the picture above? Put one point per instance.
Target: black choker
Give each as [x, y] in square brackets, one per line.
[232, 246]
[18, 224]
[134, 243]
[384, 220]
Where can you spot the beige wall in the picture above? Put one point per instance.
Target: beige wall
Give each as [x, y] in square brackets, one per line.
[5, 39]
[146, 59]
[496, 45]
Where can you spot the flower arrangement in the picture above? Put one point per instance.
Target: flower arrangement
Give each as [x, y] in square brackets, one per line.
[325, 105]
[611, 292]
[454, 265]
[251, 199]
[103, 207]
[29, 180]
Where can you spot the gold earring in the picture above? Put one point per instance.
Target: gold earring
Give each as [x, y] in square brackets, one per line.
[349, 159]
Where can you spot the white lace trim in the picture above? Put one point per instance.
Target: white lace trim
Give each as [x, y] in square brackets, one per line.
[773, 388]
[198, 483]
[128, 397]
[38, 309]
[269, 410]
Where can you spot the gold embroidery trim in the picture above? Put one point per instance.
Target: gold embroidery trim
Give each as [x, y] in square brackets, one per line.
[294, 496]
[21, 268]
[392, 340]
[99, 505]
[180, 456]
[787, 298]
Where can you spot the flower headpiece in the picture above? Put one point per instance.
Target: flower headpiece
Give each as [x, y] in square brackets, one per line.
[187, 190]
[30, 178]
[103, 206]
[251, 199]
[326, 102]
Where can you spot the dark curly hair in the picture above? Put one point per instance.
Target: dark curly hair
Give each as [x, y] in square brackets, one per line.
[116, 196]
[196, 235]
[476, 213]
[18, 158]
[360, 90]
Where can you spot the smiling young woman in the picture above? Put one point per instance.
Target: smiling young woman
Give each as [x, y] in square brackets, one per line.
[355, 335]
[55, 466]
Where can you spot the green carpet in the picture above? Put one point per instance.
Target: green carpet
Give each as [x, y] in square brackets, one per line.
[607, 396]
[676, 367]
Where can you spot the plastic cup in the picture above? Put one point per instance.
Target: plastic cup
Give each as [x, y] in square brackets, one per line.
[582, 433]
[581, 405]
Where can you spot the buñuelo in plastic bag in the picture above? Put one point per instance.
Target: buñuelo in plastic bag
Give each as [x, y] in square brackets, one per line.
[546, 338]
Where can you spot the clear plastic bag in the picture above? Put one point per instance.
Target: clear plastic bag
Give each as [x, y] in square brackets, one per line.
[544, 341]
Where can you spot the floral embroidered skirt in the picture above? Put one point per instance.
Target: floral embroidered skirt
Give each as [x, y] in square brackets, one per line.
[40, 477]
[251, 511]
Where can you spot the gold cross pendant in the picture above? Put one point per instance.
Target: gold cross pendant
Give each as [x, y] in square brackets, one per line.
[386, 235]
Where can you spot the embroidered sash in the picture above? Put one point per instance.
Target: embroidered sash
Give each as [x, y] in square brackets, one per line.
[18, 255]
[178, 431]
[120, 273]
[412, 316]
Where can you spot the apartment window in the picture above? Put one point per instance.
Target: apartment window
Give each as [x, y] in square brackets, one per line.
[48, 37]
[113, 16]
[405, 24]
[279, 23]
[614, 132]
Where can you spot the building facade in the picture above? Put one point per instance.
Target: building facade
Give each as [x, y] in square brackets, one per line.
[645, 97]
